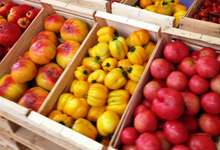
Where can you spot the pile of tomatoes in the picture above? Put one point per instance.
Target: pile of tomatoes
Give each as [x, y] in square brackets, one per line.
[209, 11]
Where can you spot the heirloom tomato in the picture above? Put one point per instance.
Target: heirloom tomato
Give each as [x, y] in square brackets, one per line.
[129, 135]
[166, 145]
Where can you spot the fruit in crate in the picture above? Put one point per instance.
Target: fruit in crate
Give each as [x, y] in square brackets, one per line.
[31, 14]
[74, 29]
[186, 109]
[23, 23]
[10, 89]
[33, 98]
[48, 75]
[54, 23]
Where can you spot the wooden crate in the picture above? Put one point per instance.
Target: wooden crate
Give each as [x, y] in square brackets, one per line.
[190, 24]
[125, 26]
[195, 41]
[86, 15]
[144, 15]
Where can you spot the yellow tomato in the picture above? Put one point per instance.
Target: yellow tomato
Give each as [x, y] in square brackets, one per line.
[145, 3]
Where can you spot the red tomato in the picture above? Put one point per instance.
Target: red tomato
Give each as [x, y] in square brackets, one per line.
[208, 9]
[201, 141]
[207, 66]
[216, 10]
[210, 124]
[9, 33]
[15, 13]
[169, 104]
[129, 135]
[195, 55]
[129, 147]
[148, 141]
[1, 51]
[196, 16]
[214, 19]
[147, 103]
[4, 8]
[140, 108]
[207, 3]
[215, 4]
[180, 147]
[202, 14]
[23, 23]
[218, 58]
[6, 50]
[188, 66]
[208, 51]
[177, 80]
[215, 84]
[150, 90]
[204, 19]
[32, 13]
[192, 103]
[174, 52]
[26, 7]
[175, 131]
[160, 68]
[146, 121]
[190, 122]
[210, 103]
[161, 82]
[198, 84]
[166, 145]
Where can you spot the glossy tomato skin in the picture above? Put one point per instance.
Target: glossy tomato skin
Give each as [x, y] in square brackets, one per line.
[215, 84]
[15, 13]
[210, 102]
[140, 108]
[195, 55]
[180, 147]
[210, 124]
[207, 66]
[4, 8]
[129, 135]
[175, 131]
[198, 85]
[177, 80]
[147, 103]
[190, 122]
[169, 104]
[146, 121]
[208, 51]
[207, 3]
[129, 147]
[200, 141]
[150, 90]
[148, 141]
[188, 66]
[174, 52]
[192, 103]
[166, 145]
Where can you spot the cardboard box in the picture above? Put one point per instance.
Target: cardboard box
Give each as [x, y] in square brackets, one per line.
[127, 10]
[194, 25]
[195, 42]
[125, 27]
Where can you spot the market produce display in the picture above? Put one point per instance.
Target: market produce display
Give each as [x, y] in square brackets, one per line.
[181, 102]
[37, 70]
[209, 11]
[164, 7]
[104, 83]
[14, 20]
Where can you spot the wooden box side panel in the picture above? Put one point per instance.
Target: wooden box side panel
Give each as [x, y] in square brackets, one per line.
[193, 40]
[142, 15]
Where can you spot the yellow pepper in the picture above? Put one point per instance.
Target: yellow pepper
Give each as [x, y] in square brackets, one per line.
[94, 112]
[130, 86]
[100, 51]
[124, 64]
[106, 33]
[85, 127]
[115, 79]
[137, 55]
[178, 15]
[118, 101]
[61, 118]
[91, 63]
[149, 48]
[82, 73]
[138, 38]
[97, 76]
[109, 63]
[107, 123]
[151, 8]
[165, 8]
[79, 88]
[135, 72]
[179, 7]
[156, 3]
[97, 94]
[76, 107]
[63, 99]
[118, 47]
